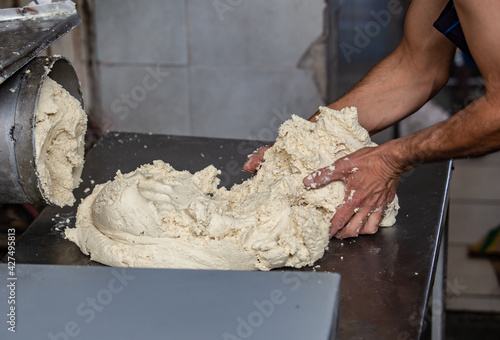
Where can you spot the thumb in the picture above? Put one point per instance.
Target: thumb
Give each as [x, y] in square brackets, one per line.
[255, 159]
[322, 177]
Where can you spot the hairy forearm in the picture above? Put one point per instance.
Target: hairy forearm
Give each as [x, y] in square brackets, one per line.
[392, 90]
[471, 132]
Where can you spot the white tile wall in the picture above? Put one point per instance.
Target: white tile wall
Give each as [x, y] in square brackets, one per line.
[471, 221]
[488, 160]
[475, 274]
[474, 210]
[257, 32]
[476, 182]
[141, 32]
[144, 98]
[478, 304]
[227, 76]
[239, 100]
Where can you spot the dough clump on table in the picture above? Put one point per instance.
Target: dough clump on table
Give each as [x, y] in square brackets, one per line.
[157, 216]
[59, 143]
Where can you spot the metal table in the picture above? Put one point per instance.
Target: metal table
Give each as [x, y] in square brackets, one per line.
[57, 302]
[386, 278]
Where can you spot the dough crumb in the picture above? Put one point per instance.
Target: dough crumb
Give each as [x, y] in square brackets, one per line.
[351, 195]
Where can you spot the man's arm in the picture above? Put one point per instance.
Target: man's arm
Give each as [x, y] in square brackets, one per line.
[472, 131]
[406, 79]
[402, 82]
[475, 130]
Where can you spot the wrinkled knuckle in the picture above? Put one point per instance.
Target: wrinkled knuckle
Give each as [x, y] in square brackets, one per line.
[323, 180]
[339, 223]
[370, 229]
[357, 201]
[338, 236]
[353, 202]
[340, 165]
[342, 221]
[349, 234]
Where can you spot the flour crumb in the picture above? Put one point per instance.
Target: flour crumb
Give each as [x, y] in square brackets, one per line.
[351, 195]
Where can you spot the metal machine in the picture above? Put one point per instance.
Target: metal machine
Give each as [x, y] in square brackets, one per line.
[24, 33]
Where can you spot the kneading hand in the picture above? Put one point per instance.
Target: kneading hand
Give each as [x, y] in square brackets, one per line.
[370, 180]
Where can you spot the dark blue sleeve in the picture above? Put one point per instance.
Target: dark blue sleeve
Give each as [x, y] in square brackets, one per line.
[449, 24]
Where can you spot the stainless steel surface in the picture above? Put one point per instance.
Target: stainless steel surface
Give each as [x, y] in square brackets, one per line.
[66, 302]
[386, 277]
[18, 105]
[438, 306]
[27, 31]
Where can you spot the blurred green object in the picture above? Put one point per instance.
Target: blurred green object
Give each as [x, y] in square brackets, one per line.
[489, 245]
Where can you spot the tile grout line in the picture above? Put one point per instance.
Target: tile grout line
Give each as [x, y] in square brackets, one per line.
[237, 67]
[475, 201]
[479, 296]
[188, 72]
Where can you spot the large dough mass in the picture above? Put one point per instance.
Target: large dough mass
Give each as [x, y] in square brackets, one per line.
[156, 216]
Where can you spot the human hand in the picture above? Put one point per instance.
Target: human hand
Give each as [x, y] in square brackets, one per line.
[255, 159]
[371, 179]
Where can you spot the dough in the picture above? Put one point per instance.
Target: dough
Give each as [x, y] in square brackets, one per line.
[59, 143]
[156, 216]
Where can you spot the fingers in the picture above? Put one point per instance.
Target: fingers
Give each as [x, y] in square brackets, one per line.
[362, 221]
[356, 223]
[342, 216]
[322, 177]
[255, 159]
[373, 221]
[339, 170]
